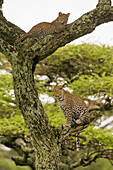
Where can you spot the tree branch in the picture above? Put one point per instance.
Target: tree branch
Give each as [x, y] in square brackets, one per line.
[84, 25]
[85, 161]
[45, 139]
[8, 50]
[24, 149]
[104, 2]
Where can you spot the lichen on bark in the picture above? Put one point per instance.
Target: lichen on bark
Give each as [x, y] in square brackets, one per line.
[45, 138]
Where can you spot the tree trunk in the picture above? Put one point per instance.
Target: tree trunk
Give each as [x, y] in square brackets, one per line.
[44, 139]
[23, 58]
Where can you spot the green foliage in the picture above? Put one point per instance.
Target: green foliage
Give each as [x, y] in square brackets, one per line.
[13, 126]
[86, 69]
[103, 136]
[71, 60]
[100, 164]
[7, 99]
[11, 122]
[93, 85]
[55, 114]
[4, 64]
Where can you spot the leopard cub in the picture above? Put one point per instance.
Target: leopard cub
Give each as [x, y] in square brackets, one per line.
[43, 29]
[74, 108]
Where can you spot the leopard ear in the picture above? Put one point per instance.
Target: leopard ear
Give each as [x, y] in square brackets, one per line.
[60, 13]
[68, 14]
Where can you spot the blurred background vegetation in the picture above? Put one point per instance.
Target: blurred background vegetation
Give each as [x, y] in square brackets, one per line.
[85, 70]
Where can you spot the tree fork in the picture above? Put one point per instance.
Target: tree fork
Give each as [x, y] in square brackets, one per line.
[45, 139]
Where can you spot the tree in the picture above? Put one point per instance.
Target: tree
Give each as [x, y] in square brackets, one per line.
[46, 139]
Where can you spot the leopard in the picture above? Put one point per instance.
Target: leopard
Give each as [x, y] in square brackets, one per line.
[43, 29]
[74, 108]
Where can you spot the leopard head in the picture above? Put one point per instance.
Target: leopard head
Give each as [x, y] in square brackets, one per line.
[57, 91]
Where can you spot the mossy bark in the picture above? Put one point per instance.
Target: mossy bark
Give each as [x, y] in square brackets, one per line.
[44, 140]
[23, 58]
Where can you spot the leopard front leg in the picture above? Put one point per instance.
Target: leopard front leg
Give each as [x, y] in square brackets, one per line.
[68, 117]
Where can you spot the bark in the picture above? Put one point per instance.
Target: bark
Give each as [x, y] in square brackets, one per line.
[43, 136]
[23, 58]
